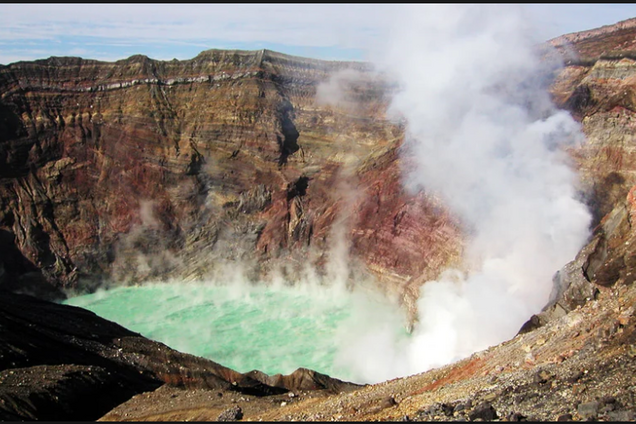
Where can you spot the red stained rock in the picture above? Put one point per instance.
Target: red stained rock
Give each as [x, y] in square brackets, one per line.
[86, 144]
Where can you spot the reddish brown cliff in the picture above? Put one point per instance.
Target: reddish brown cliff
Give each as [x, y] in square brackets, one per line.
[143, 169]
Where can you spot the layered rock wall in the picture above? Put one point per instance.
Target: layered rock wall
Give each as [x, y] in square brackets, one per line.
[142, 169]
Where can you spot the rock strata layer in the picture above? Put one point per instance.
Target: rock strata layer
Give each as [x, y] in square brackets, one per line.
[142, 169]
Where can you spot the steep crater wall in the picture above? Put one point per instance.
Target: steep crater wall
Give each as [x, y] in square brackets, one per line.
[142, 169]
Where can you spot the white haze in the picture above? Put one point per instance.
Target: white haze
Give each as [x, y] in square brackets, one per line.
[333, 91]
[485, 137]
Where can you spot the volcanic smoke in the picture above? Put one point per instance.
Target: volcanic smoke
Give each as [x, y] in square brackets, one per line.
[486, 139]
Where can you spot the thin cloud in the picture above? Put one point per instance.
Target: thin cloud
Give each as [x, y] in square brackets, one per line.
[328, 31]
[311, 25]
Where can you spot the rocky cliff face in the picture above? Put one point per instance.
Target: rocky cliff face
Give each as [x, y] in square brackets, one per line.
[141, 169]
[597, 86]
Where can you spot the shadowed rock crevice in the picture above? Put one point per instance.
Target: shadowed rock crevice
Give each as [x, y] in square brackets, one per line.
[581, 102]
[11, 126]
[13, 156]
[288, 137]
[298, 188]
[196, 162]
[18, 274]
[606, 192]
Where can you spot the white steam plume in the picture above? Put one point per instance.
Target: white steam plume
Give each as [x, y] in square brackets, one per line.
[486, 138]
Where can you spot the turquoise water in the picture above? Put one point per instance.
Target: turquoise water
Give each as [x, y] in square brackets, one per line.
[245, 327]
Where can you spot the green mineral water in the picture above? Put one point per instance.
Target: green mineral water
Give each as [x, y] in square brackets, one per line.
[275, 329]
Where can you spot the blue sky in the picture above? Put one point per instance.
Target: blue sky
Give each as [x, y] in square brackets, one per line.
[167, 31]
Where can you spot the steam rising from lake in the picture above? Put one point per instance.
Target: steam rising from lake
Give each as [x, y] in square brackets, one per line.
[486, 139]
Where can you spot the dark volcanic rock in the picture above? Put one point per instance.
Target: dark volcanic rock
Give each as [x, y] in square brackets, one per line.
[234, 413]
[66, 392]
[484, 411]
